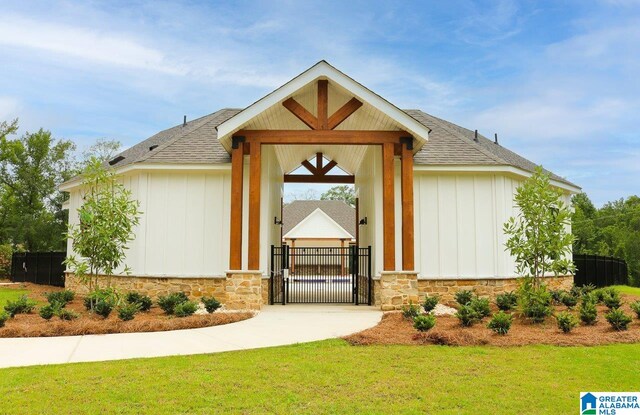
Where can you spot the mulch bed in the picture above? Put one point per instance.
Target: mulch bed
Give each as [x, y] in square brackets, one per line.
[32, 325]
[395, 329]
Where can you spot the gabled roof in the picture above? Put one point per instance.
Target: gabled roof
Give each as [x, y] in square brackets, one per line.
[318, 225]
[340, 212]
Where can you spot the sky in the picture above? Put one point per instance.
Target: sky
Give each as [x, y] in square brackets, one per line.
[558, 81]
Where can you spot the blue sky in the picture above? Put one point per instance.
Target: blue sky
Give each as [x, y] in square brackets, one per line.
[558, 81]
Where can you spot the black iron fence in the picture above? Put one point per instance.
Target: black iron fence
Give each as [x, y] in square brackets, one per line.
[45, 268]
[600, 271]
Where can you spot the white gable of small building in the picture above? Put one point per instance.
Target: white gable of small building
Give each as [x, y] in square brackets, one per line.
[318, 225]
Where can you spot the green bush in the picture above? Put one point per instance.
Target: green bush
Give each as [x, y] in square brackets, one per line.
[467, 315]
[536, 304]
[103, 307]
[128, 311]
[612, 299]
[588, 311]
[143, 301]
[481, 305]
[424, 322]
[635, 306]
[507, 301]
[411, 311]
[65, 314]
[20, 306]
[618, 319]
[556, 295]
[211, 304]
[569, 300]
[587, 289]
[168, 303]
[3, 318]
[60, 297]
[598, 295]
[106, 295]
[49, 310]
[500, 322]
[464, 297]
[185, 309]
[566, 321]
[430, 302]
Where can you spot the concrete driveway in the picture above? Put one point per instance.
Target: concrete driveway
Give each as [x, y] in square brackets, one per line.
[274, 326]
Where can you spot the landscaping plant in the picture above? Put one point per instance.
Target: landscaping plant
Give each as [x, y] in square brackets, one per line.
[424, 323]
[569, 300]
[507, 301]
[566, 321]
[635, 306]
[3, 318]
[103, 307]
[211, 304]
[22, 305]
[185, 309]
[464, 297]
[430, 302]
[65, 314]
[143, 301]
[105, 295]
[500, 322]
[128, 311]
[49, 310]
[60, 297]
[588, 311]
[467, 315]
[535, 302]
[618, 319]
[168, 303]
[481, 306]
[411, 311]
[556, 296]
[611, 299]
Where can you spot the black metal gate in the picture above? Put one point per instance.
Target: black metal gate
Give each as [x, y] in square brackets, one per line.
[320, 275]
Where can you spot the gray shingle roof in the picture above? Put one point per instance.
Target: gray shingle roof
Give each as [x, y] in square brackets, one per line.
[339, 211]
[449, 144]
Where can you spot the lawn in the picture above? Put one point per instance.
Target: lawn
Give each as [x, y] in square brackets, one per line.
[625, 289]
[330, 377]
[7, 294]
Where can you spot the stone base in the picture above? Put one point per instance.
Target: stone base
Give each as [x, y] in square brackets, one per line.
[244, 290]
[397, 289]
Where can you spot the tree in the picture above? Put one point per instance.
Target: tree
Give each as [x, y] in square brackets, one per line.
[537, 236]
[107, 218]
[103, 150]
[345, 193]
[31, 169]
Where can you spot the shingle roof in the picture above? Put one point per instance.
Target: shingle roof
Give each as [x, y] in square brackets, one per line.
[449, 144]
[339, 211]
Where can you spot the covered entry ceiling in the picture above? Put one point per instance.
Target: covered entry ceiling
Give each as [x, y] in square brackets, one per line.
[348, 157]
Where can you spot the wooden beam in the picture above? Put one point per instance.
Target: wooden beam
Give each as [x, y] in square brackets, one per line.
[329, 178]
[322, 136]
[254, 206]
[407, 209]
[388, 214]
[235, 243]
[323, 104]
[319, 162]
[312, 169]
[343, 113]
[326, 169]
[301, 112]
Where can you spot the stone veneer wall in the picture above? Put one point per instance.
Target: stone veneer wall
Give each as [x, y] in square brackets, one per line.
[396, 289]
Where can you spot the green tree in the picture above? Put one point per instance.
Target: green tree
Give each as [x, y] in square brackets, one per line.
[103, 150]
[107, 219]
[345, 193]
[31, 169]
[538, 235]
[583, 226]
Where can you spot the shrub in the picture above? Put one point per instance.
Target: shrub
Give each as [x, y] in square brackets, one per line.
[618, 319]
[481, 306]
[144, 301]
[569, 300]
[185, 309]
[588, 289]
[65, 314]
[500, 322]
[49, 310]
[556, 296]
[598, 295]
[211, 304]
[103, 307]
[536, 304]
[424, 322]
[588, 311]
[108, 295]
[635, 306]
[430, 302]
[612, 299]
[60, 297]
[3, 318]
[464, 297]
[467, 315]
[128, 311]
[168, 303]
[20, 306]
[566, 321]
[411, 311]
[507, 301]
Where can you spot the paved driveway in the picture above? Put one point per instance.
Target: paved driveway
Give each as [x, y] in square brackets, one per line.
[273, 326]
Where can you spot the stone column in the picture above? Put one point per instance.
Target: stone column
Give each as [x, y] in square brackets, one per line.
[244, 290]
[397, 289]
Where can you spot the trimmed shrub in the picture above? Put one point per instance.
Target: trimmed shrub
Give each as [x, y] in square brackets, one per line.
[566, 321]
[612, 299]
[481, 305]
[65, 314]
[128, 311]
[211, 304]
[143, 301]
[569, 300]
[464, 297]
[424, 322]
[500, 322]
[20, 306]
[507, 301]
[588, 311]
[103, 307]
[635, 306]
[185, 309]
[411, 311]
[60, 297]
[168, 303]
[467, 315]
[108, 295]
[587, 289]
[430, 302]
[48, 311]
[536, 304]
[598, 295]
[556, 296]
[618, 319]
[3, 318]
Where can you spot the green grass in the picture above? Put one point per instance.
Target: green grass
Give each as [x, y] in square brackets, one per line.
[625, 289]
[7, 294]
[329, 377]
